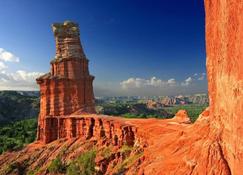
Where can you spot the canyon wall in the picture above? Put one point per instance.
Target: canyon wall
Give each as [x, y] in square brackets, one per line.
[104, 129]
[224, 45]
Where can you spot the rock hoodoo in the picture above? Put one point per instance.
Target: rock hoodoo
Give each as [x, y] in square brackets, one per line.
[68, 87]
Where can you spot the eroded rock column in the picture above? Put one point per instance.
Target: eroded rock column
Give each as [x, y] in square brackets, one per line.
[68, 87]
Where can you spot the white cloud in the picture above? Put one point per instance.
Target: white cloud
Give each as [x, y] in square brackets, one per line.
[152, 82]
[2, 66]
[187, 81]
[20, 80]
[132, 82]
[8, 56]
[202, 76]
[199, 76]
[155, 86]
[22, 75]
[171, 82]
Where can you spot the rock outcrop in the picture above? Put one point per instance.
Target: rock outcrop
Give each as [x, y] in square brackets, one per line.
[213, 145]
[182, 117]
[87, 126]
[224, 37]
[68, 87]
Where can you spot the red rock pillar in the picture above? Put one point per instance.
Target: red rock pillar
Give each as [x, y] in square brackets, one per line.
[224, 38]
[68, 88]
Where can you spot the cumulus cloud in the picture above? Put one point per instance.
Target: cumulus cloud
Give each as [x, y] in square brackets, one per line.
[2, 66]
[22, 75]
[155, 86]
[8, 56]
[19, 80]
[187, 81]
[196, 77]
[202, 76]
[152, 82]
[132, 82]
[171, 82]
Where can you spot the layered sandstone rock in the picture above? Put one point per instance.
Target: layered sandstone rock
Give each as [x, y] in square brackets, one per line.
[105, 129]
[68, 86]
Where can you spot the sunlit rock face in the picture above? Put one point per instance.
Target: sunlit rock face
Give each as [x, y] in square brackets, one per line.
[224, 37]
[67, 88]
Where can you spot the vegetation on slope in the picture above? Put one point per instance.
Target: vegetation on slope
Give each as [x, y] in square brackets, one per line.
[16, 135]
[57, 166]
[17, 106]
[141, 111]
[83, 165]
[134, 110]
[93, 158]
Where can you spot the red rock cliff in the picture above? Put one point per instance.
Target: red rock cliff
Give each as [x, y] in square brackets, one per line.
[68, 87]
[224, 38]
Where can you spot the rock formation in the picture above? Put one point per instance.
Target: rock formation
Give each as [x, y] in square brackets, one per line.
[213, 145]
[182, 117]
[224, 37]
[68, 87]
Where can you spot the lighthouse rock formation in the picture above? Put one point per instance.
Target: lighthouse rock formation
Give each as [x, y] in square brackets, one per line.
[68, 87]
[213, 145]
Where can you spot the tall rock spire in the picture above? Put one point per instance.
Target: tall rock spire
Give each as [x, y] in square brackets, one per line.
[67, 88]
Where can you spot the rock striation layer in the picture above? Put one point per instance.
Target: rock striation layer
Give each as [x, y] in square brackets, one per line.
[67, 88]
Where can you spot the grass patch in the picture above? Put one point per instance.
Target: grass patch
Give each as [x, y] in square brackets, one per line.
[34, 172]
[57, 166]
[16, 167]
[83, 165]
[129, 161]
[106, 152]
[125, 148]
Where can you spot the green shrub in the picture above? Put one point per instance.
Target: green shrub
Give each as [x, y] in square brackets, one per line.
[106, 152]
[56, 166]
[16, 135]
[16, 166]
[33, 172]
[83, 165]
[129, 161]
[125, 148]
[73, 169]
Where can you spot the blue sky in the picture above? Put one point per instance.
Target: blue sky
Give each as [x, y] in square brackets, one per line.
[135, 47]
